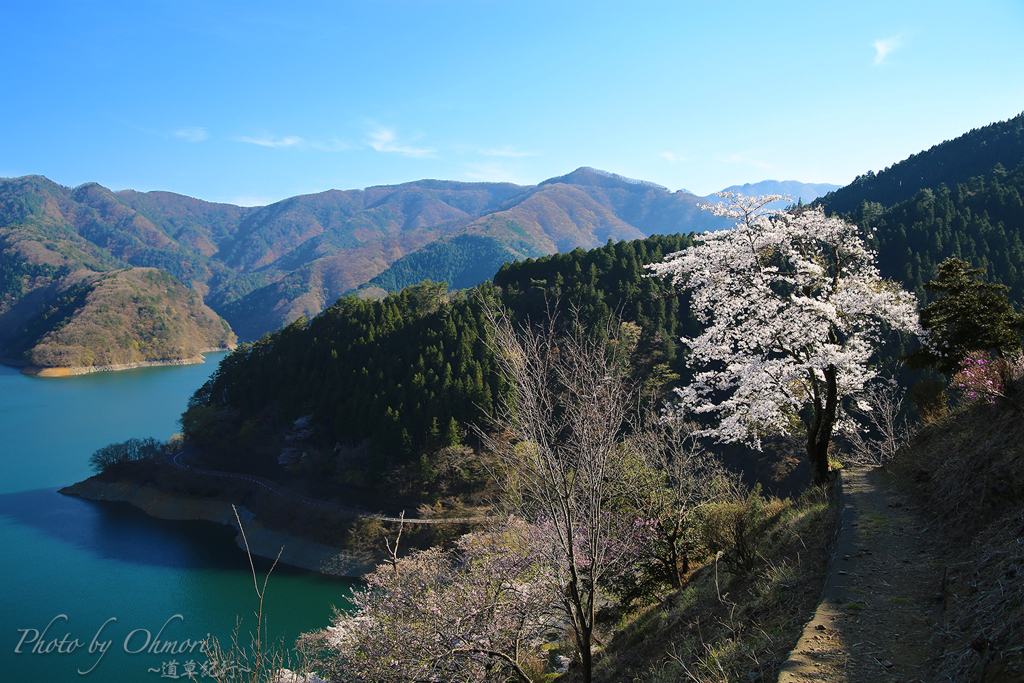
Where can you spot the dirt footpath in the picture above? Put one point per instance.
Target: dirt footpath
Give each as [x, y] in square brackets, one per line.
[882, 603]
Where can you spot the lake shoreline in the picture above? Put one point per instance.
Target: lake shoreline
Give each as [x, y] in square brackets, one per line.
[262, 541]
[70, 371]
[98, 561]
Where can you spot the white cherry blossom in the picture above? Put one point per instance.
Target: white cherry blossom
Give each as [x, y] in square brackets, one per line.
[793, 308]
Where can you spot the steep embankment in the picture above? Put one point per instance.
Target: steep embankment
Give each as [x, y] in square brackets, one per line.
[966, 472]
[727, 623]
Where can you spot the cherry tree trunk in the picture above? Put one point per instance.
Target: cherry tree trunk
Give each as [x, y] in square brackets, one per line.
[819, 433]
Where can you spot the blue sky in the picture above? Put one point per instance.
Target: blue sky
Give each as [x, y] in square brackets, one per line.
[250, 102]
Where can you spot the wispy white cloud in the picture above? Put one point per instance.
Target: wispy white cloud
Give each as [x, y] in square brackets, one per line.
[886, 45]
[745, 160]
[673, 158]
[191, 134]
[385, 140]
[271, 141]
[506, 151]
[266, 140]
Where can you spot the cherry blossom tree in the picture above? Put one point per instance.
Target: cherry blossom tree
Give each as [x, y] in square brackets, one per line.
[473, 614]
[793, 307]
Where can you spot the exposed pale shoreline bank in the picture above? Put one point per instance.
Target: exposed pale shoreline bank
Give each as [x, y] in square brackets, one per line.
[39, 371]
[264, 542]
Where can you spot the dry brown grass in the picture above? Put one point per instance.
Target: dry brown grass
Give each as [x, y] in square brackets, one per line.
[969, 471]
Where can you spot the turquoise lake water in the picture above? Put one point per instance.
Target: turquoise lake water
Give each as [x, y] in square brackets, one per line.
[87, 585]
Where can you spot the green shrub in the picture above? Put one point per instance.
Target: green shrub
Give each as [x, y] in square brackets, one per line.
[738, 530]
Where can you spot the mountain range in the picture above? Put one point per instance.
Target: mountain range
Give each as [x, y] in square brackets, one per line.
[792, 190]
[263, 267]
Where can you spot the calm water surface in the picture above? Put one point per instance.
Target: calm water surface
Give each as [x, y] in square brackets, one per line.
[87, 574]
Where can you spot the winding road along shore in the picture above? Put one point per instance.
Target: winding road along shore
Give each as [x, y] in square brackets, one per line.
[262, 541]
[176, 461]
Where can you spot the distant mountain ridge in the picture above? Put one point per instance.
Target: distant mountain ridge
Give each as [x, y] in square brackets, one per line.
[262, 267]
[794, 189]
[588, 175]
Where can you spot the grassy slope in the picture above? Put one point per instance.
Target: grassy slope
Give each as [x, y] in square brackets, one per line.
[726, 627]
[969, 471]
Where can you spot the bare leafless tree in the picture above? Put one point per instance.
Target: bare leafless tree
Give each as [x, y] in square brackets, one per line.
[888, 427]
[557, 439]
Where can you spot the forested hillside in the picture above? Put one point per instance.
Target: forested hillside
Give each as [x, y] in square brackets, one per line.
[952, 162]
[410, 372]
[462, 262]
[980, 221]
[962, 198]
[263, 267]
[121, 317]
